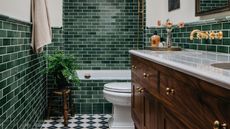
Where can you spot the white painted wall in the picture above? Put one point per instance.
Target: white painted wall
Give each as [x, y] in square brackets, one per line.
[55, 11]
[158, 10]
[20, 9]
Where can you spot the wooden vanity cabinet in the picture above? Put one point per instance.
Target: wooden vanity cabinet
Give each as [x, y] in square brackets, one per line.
[169, 99]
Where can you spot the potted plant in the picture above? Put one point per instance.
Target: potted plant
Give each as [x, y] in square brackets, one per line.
[63, 68]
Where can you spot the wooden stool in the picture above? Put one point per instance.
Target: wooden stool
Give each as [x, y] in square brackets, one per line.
[65, 93]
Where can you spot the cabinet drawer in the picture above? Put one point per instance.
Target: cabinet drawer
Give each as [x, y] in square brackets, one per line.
[149, 80]
[146, 74]
[182, 99]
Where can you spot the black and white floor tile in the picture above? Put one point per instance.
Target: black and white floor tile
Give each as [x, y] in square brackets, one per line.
[83, 121]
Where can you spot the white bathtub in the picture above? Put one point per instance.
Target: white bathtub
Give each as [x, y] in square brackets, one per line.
[104, 74]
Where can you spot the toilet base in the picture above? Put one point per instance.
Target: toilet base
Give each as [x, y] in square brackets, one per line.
[121, 118]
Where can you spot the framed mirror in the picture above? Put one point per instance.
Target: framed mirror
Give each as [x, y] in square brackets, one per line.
[206, 7]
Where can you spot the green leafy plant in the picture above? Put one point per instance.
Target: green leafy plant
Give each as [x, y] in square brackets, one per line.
[63, 67]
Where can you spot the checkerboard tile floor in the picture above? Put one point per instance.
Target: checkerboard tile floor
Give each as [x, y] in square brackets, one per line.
[83, 121]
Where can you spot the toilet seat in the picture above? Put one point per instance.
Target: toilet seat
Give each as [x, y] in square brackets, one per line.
[120, 87]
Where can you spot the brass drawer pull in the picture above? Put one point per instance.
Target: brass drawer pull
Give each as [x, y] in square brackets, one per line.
[167, 91]
[224, 126]
[145, 75]
[134, 67]
[216, 125]
[140, 90]
[170, 91]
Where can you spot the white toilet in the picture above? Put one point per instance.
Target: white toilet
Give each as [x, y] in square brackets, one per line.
[119, 94]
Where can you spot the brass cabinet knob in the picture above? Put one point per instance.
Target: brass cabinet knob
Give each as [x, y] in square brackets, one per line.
[134, 67]
[172, 91]
[167, 91]
[216, 125]
[224, 126]
[145, 75]
[137, 89]
[142, 90]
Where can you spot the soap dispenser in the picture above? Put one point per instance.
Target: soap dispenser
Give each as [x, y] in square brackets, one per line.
[155, 40]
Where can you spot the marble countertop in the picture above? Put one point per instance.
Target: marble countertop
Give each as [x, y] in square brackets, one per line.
[192, 62]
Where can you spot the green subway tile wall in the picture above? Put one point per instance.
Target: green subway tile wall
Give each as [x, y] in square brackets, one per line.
[22, 83]
[100, 32]
[206, 5]
[57, 41]
[181, 36]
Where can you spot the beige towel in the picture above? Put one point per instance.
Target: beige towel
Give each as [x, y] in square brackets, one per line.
[41, 31]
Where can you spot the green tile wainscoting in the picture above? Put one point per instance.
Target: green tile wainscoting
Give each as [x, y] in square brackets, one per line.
[181, 36]
[22, 83]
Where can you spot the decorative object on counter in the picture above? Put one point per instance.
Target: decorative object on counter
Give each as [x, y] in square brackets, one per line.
[169, 28]
[206, 35]
[63, 68]
[155, 40]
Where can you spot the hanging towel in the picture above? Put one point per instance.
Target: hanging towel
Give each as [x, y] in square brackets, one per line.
[41, 31]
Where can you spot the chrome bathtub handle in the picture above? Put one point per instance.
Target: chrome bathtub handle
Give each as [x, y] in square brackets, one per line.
[87, 76]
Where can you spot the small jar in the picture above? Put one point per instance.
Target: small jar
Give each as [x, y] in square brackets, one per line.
[155, 40]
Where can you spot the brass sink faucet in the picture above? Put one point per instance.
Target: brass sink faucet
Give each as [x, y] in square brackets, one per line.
[206, 34]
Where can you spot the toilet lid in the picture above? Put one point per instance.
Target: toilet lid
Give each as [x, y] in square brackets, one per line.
[121, 87]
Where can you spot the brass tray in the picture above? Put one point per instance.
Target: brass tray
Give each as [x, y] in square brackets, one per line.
[164, 48]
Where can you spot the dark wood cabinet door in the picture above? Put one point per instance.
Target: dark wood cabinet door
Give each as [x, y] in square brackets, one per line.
[137, 106]
[150, 112]
[216, 109]
[183, 99]
[168, 121]
[215, 102]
